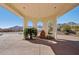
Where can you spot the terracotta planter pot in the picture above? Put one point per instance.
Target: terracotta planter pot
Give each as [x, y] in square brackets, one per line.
[42, 34]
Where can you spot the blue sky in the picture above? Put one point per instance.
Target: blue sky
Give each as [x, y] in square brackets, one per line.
[71, 16]
[8, 19]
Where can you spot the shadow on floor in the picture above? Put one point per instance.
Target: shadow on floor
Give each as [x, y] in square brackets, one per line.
[60, 46]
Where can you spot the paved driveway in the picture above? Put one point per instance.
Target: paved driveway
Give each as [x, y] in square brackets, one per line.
[13, 44]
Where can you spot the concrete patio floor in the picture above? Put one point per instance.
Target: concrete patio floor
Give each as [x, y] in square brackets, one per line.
[13, 44]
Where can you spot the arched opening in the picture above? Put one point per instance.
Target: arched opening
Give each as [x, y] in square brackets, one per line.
[39, 26]
[50, 28]
[30, 24]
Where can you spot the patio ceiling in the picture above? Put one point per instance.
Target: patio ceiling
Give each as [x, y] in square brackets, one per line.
[41, 10]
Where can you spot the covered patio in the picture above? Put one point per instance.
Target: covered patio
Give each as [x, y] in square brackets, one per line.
[12, 44]
[48, 13]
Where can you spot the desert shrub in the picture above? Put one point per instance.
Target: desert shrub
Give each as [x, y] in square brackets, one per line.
[66, 27]
[32, 32]
[25, 33]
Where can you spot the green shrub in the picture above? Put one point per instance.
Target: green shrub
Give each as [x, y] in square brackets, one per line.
[32, 32]
[25, 33]
[66, 27]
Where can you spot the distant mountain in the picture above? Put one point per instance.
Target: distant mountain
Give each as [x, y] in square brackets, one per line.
[72, 23]
[0, 29]
[69, 23]
[12, 29]
[16, 28]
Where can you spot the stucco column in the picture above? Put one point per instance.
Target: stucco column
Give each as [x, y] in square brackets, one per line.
[34, 24]
[25, 23]
[45, 27]
[55, 28]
